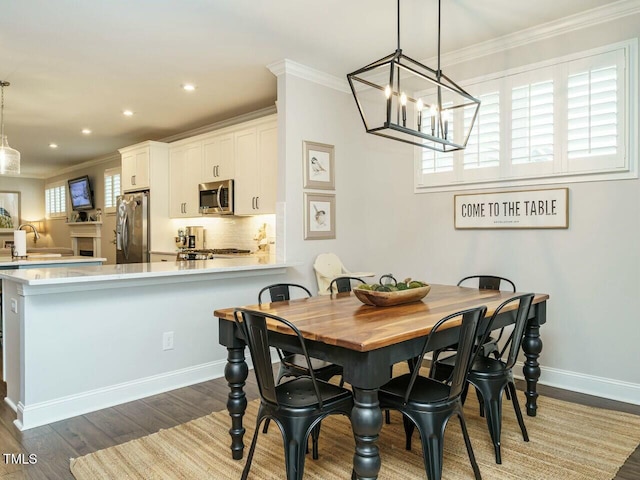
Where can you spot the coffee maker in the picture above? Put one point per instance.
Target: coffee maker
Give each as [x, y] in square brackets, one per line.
[195, 237]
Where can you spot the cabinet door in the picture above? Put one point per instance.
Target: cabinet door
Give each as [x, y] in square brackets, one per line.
[184, 175]
[268, 165]
[135, 170]
[218, 158]
[247, 172]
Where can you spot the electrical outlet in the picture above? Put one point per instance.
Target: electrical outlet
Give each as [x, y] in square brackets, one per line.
[167, 341]
[14, 305]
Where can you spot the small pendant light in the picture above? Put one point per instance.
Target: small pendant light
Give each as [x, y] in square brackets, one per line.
[9, 157]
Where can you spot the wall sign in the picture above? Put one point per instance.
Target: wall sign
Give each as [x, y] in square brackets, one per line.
[547, 208]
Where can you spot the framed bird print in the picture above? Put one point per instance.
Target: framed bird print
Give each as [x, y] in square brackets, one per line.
[318, 166]
[319, 216]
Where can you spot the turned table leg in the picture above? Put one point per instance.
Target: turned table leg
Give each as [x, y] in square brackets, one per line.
[532, 347]
[366, 421]
[236, 372]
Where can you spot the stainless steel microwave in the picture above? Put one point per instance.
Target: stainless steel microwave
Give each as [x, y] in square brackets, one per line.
[216, 198]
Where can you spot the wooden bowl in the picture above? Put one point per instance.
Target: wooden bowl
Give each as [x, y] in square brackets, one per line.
[386, 299]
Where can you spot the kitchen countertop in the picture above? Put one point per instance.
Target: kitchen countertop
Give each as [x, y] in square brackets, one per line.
[133, 271]
[46, 259]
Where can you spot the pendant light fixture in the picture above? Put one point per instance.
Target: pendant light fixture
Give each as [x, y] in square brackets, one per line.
[9, 157]
[402, 99]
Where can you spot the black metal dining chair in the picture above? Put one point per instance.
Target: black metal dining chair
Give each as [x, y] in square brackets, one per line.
[491, 376]
[483, 282]
[297, 406]
[294, 364]
[428, 404]
[343, 284]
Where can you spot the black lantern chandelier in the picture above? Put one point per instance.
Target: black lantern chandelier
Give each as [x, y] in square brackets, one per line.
[402, 99]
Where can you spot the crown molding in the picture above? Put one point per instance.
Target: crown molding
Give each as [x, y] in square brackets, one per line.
[579, 21]
[307, 73]
[263, 112]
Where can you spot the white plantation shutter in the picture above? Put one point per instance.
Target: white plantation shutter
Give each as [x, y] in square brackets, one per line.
[572, 117]
[55, 200]
[594, 115]
[111, 189]
[483, 146]
[532, 123]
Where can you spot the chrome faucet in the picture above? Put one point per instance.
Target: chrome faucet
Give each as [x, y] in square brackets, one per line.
[36, 235]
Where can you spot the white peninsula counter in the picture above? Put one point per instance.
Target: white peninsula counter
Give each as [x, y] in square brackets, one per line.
[82, 338]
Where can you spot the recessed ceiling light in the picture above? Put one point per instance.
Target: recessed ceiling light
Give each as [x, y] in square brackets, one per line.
[127, 113]
[53, 145]
[189, 87]
[86, 131]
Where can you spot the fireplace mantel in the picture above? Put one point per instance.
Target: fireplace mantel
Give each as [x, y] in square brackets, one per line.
[91, 230]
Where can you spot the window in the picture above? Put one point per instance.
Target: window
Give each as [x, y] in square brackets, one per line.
[111, 189]
[567, 118]
[55, 200]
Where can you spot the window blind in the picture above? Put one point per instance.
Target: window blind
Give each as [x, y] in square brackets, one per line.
[55, 201]
[592, 112]
[483, 146]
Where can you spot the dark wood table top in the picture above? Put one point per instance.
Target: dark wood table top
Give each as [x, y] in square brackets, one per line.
[344, 321]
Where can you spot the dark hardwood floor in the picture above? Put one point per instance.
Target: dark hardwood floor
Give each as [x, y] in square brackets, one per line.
[54, 444]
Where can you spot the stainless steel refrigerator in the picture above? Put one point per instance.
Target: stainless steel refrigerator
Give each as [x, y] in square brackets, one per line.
[132, 228]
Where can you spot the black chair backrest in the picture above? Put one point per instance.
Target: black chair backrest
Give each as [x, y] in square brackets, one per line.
[468, 331]
[279, 292]
[515, 339]
[253, 325]
[343, 284]
[489, 282]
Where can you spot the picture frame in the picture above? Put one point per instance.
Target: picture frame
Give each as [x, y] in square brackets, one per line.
[319, 216]
[9, 211]
[319, 166]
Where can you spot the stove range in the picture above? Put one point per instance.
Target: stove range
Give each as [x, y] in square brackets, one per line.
[208, 254]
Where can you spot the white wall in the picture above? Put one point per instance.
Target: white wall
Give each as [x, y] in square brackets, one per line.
[591, 270]
[31, 205]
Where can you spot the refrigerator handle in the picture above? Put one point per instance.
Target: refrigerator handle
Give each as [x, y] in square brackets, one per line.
[125, 235]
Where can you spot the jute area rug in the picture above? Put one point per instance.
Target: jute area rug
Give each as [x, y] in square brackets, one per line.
[567, 442]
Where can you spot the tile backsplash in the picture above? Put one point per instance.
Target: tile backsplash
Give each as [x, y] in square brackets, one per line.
[232, 231]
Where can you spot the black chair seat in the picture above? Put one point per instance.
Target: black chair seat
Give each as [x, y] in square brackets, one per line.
[482, 366]
[426, 390]
[323, 370]
[299, 393]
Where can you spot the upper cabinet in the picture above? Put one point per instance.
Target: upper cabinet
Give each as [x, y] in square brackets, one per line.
[246, 153]
[185, 163]
[218, 158]
[256, 168]
[138, 163]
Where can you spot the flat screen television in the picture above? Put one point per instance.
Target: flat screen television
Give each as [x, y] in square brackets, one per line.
[81, 194]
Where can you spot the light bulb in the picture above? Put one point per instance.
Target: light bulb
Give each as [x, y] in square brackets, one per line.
[403, 99]
[387, 91]
[419, 105]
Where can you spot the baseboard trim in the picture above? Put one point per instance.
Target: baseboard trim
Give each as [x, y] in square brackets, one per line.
[611, 389]
[31, 416]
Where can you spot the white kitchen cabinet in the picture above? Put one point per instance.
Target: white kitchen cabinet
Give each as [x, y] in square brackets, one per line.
[163, 257]
[185, 163]
[218, 158]
[256, 165]
[138, 163]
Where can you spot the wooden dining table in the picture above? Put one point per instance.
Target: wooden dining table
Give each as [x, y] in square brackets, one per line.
[367, 341]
